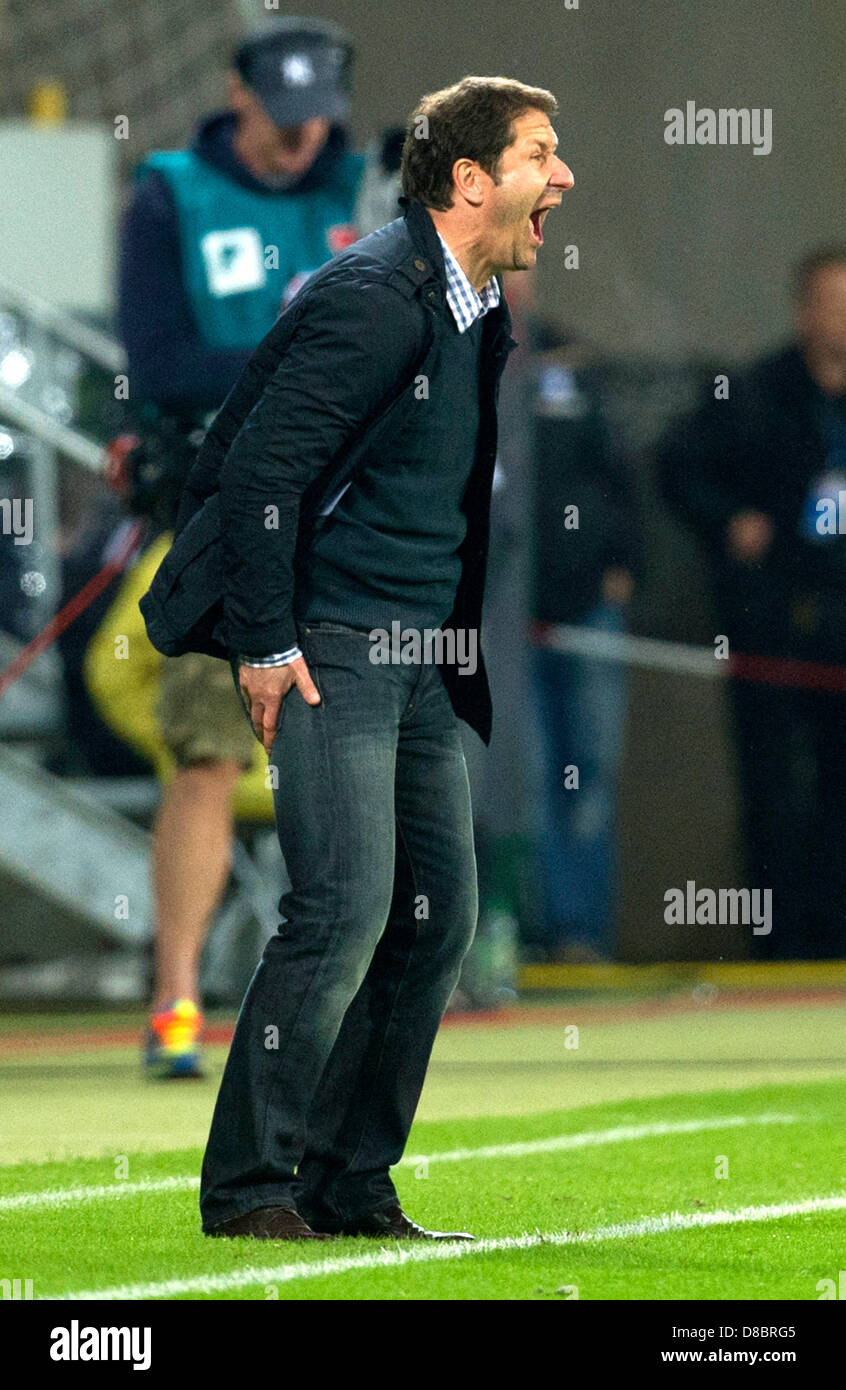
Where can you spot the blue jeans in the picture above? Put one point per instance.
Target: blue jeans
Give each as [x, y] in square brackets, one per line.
[581, 706]
[335, 1032]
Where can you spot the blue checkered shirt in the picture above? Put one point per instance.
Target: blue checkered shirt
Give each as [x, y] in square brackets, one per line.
[467, 305]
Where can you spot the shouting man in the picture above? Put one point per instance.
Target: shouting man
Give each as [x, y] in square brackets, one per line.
[385, 366]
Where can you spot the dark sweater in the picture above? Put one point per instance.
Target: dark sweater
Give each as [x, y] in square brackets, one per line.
[388, 551]
[331, 382]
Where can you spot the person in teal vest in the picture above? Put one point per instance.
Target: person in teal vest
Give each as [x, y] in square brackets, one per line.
[217, 238]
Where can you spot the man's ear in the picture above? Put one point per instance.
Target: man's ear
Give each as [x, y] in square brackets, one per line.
[467, 177]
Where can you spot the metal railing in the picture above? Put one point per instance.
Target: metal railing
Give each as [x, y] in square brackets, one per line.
[97, 346]
[40, 351]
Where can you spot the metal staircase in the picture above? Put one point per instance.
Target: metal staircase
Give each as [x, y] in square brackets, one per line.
[73, 869]
[74, 852]
[73, 872]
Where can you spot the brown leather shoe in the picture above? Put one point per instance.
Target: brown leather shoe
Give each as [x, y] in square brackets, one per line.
[392, 1222]
[269, 1223]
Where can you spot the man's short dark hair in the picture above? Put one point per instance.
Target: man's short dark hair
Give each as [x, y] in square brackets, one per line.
[820, 258]
[473, 119]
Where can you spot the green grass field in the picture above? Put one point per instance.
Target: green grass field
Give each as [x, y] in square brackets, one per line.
[681, 1150]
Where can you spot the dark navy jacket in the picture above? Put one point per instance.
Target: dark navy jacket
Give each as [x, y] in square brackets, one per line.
[342, 358]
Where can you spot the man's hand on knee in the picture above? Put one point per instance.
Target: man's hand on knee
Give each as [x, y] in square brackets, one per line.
[265, 687]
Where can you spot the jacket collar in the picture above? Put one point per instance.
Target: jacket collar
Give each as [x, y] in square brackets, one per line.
[427, 264]
[428, 261]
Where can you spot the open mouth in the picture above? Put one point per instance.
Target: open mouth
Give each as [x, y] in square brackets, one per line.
[536, 221]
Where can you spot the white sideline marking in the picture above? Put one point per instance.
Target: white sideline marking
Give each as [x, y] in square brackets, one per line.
[65, 1196]
[599, 1136]
[454, 1250]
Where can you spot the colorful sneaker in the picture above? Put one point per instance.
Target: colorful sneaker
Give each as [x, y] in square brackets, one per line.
[172, 1046]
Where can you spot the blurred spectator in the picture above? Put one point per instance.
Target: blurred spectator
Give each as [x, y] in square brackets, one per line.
[216, 239]
[756, 476]
[546, 855]
[588, 545]
[503, 776]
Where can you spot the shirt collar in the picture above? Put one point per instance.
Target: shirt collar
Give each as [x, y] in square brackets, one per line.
[467, 304]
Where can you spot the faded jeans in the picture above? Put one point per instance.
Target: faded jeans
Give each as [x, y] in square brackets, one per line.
[336, 1029]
